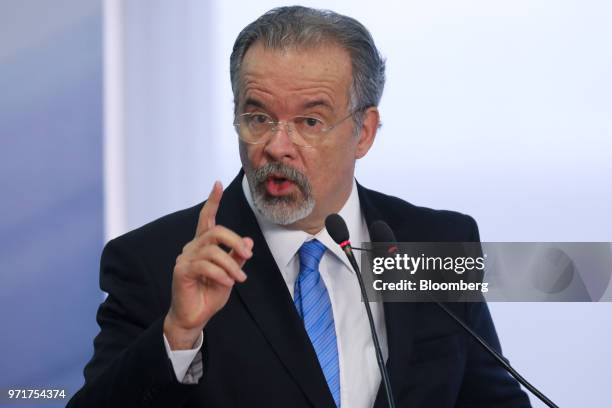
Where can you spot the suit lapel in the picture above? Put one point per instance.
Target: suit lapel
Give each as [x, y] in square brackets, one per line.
[267, 299]
[399, 317]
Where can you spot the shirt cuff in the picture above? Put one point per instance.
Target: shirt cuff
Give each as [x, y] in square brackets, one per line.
[182, 359]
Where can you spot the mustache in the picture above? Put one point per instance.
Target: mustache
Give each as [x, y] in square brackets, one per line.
[279, 169]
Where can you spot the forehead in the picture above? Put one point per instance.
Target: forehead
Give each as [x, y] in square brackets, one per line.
[292, 75]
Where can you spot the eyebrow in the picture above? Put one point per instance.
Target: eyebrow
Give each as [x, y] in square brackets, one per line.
[317, 103]
[308, 105]
[255, 103]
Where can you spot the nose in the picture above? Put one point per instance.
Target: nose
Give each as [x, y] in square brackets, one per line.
[279, 146]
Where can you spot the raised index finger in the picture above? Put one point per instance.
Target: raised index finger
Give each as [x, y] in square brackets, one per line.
[209, 210]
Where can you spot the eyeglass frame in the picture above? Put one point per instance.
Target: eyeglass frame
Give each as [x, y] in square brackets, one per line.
[275, 126]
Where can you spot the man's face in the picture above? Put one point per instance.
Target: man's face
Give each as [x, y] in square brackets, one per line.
[294, 185]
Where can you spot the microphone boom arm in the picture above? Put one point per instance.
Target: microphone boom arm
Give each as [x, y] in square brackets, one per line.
[379, 357]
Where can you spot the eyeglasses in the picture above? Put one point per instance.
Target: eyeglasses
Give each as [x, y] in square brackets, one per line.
[304, 131]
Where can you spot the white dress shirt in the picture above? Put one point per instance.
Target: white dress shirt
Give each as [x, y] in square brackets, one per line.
[359, 373]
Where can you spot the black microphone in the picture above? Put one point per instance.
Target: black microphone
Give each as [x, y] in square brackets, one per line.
[381, 232]
[336, 227]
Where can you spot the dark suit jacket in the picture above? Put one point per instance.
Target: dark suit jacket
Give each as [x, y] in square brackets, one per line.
[256, 351]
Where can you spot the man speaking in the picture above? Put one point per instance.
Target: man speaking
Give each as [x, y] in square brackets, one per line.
[246, 301]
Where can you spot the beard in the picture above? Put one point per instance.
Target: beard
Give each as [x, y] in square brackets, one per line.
[286, 209]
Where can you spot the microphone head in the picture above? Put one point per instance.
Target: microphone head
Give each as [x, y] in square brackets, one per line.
[336, 228]
[381, 232]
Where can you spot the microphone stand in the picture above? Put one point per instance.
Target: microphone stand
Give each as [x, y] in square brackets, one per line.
[346, 247]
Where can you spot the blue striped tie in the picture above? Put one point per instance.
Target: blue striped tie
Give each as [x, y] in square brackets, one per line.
[314, 307]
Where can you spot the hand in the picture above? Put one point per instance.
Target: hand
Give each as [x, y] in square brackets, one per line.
[204, 275]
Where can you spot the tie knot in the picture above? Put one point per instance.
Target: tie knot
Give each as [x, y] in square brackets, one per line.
[311, 253]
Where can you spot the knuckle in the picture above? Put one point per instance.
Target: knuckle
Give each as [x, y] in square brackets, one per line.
[190, 246]
[207, 252]
[180, 268]
[218, 229]
[208, 269]
[210, 234]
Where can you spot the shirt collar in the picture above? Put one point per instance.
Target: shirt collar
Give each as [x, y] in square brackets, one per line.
[285, 243]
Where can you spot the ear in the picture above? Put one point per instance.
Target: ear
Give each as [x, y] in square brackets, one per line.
[367, 133]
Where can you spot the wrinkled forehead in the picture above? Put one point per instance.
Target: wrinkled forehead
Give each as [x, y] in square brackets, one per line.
[296, 69]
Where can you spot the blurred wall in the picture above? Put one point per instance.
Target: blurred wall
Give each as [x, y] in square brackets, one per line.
[51, 211]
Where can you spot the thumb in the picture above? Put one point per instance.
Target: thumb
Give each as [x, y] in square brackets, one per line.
[240, 260]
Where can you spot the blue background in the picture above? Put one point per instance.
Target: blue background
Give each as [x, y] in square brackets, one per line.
[51, 211]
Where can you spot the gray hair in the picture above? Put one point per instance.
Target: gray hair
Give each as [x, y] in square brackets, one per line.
[284, 27]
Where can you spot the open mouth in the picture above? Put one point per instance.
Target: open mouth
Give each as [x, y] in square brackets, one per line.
[277, 185]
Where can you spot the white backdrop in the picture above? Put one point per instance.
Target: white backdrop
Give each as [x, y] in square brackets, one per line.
[501, 110]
